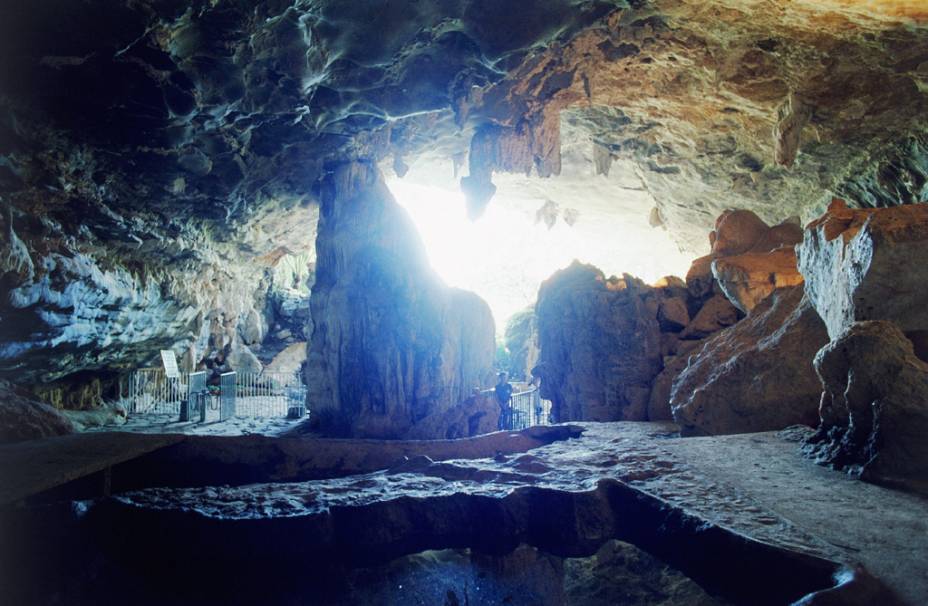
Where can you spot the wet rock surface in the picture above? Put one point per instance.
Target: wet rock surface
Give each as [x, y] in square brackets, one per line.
[756, 375]
[391, 343]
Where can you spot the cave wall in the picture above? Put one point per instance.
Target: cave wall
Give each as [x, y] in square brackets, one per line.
[153, 155]
[391, 344]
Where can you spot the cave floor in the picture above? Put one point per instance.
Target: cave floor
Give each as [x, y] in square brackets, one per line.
[236, 426]
[755, 485]
[752, 485]
[851, 521]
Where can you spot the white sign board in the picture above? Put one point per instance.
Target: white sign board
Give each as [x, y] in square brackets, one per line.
[170, 364]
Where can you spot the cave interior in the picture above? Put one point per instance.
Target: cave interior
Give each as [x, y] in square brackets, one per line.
[536, 302]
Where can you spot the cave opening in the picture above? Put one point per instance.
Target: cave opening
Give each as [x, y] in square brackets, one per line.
[261, 264]
[531, 229]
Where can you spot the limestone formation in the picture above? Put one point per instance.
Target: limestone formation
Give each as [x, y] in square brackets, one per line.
[659, 401]
[600, 344]
[714, 315]
[135, 214]
[756, 375]
[749, 259]
[874, 407]
[860, 264]
[749, 278]
[391, 343]
[477, 415]
[24, 419]
[522, 342]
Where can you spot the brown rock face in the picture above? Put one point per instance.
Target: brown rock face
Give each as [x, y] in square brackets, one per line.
[600, 345]
[391, 344]
[749, 278]
[756, 375]
[874, 408]
[749, 259]
[858, 265]
[714, 315]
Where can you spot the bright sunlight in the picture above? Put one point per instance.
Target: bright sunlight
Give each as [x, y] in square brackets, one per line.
[505, 255]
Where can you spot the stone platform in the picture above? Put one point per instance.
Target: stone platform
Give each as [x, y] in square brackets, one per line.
[743, 515]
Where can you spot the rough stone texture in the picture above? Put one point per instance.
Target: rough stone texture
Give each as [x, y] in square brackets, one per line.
[477, 415]
[659, 408]
[859, 265]
[714, 315]
[749, 259]
[874, 408]
[600, 344]
[391, 343]
[205, 127]
[521, 339]
[677, 499]
[24, 419]
[756, 375]
[672, 314]
[749, 278]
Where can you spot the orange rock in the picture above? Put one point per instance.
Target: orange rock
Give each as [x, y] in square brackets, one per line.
[750, 278]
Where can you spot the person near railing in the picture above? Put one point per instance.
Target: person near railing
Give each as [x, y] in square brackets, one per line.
[503, 391]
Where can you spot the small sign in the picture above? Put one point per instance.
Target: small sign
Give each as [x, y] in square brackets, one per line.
[170, 364]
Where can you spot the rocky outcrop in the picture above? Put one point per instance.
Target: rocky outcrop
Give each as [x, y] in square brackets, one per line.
[24, 419]
[859, 265]
[477, 415]
[675, 362]
[749, 259]
[874, 407]
[756, 375]
[749, 278]
[714, 314]
[521, 338]
[600, 344]
[391, 344]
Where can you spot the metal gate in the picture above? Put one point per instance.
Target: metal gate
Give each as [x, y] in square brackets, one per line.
[270, 394]
[226, 396]
[149, 391]
[526, 409]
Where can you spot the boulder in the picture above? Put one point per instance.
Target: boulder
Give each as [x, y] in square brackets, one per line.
[756, 375]
[391, 344]
[736, 232]
[749, 278]
[22, 419]
[863, 264]
[717, 313]
[672, 314]
[600, 345]
[874, 408]
[659, 400]
[699, 278]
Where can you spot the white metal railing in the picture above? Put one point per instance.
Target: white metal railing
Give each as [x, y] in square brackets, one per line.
[526, 408]
[149, 391]
[267, 394]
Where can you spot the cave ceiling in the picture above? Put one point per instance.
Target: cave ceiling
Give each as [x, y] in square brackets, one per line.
[210, 110]
[175, 144]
